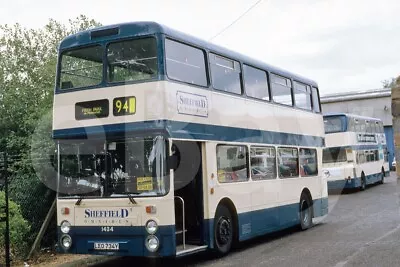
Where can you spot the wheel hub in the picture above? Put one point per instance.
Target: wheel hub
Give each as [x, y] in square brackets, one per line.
[305, 212]
[224, 231]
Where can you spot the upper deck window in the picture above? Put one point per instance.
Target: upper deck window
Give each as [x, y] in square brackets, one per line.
[302, 95]
[185, 63]
[81, 67]
[315, 100]
[334, 124]
[281, 90]
[255, 83]
[132, 60]
[225, 74]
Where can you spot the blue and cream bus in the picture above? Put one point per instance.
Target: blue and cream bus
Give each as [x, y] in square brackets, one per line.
[169, 145]
[356, 151]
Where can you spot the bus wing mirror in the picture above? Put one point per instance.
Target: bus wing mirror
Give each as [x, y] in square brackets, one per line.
[173, 162]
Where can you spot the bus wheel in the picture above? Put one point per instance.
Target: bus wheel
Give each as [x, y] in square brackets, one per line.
[223, 230]
[305, 212]
[382, 176]
[362, 186]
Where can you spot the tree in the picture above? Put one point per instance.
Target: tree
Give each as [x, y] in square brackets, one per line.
[389, 83]
[28, 59]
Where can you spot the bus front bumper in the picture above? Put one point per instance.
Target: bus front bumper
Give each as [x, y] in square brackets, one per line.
[130, 239]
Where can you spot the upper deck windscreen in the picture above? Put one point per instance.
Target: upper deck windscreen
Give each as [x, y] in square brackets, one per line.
[128, 60]
[334, 124]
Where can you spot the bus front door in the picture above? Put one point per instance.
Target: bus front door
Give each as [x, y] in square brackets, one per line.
[188, 191]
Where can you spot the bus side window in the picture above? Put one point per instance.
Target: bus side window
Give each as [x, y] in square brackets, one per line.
[315, 100]
[288, 162]
[225, 74]
[185, 63]
[281, 89]
[308, 162]
[232, 163]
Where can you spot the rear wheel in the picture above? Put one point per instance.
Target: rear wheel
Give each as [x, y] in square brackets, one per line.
[223, 230]
[363, 185]
[306, 213]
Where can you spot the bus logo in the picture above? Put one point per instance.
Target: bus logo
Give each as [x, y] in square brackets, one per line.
[191, 104]
[122, 213]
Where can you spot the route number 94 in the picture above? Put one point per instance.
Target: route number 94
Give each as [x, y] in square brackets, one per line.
[124, 106]
[107, 229]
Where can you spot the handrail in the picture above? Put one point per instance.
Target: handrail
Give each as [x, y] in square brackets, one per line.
[183, 219]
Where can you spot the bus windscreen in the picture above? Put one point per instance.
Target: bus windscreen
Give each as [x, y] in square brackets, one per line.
[334, 124]
[334, 155]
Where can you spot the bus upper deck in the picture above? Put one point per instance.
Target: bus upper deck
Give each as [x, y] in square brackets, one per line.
[211, 85]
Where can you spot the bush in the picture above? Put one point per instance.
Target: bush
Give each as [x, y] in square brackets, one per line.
[19, 228]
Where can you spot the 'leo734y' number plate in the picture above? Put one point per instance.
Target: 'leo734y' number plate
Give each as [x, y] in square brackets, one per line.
[106, 246]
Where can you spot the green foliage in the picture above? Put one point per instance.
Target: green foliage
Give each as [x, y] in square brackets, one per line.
[389, 83]
[27, 75]
[19, 228]
[28, 60]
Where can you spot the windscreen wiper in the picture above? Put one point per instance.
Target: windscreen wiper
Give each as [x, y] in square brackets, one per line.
[131, 198]
[78, 202]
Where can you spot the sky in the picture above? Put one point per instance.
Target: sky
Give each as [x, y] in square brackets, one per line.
[344, 45]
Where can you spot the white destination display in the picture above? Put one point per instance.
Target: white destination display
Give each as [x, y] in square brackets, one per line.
[192, 104]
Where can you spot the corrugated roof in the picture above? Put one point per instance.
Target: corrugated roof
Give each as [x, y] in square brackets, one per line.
[356, 95]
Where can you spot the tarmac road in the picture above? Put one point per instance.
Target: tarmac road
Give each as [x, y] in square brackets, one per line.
[361, 229]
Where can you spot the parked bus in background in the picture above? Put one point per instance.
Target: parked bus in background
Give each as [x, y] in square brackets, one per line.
[356, 153]
[170, 145]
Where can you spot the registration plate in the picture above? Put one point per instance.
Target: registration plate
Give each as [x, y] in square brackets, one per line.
[106, 246]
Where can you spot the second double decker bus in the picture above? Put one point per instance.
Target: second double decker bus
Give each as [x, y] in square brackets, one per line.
[356, 152]
[169, 145]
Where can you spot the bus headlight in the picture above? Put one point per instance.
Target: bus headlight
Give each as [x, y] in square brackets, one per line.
[152, 243]
[65, 227]
[151, 227]
[66, 241]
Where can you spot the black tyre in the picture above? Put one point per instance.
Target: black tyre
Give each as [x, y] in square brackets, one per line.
[382, 176]
[306, 213]
[224, 231]
[363, 184]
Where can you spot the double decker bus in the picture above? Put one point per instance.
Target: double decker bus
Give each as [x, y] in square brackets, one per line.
[169, 145]
[356, 152]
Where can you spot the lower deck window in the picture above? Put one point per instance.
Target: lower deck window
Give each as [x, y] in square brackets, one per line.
[308, 162]
[288, 162]
[263, 163]
[232, 163]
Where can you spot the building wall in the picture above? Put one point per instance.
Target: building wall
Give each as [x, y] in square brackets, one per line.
[375, 107]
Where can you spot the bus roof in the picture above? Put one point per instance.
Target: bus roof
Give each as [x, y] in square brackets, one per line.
[350, 115]
[133, 29]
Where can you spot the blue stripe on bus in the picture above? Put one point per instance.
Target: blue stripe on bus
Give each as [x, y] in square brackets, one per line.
[132, 238]
[189, 130]
[355, 182]
[260, 222]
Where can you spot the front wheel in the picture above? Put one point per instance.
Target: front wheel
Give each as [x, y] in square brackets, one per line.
[305, 212]
[382, 177]
[363, 185]
[223, 230]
